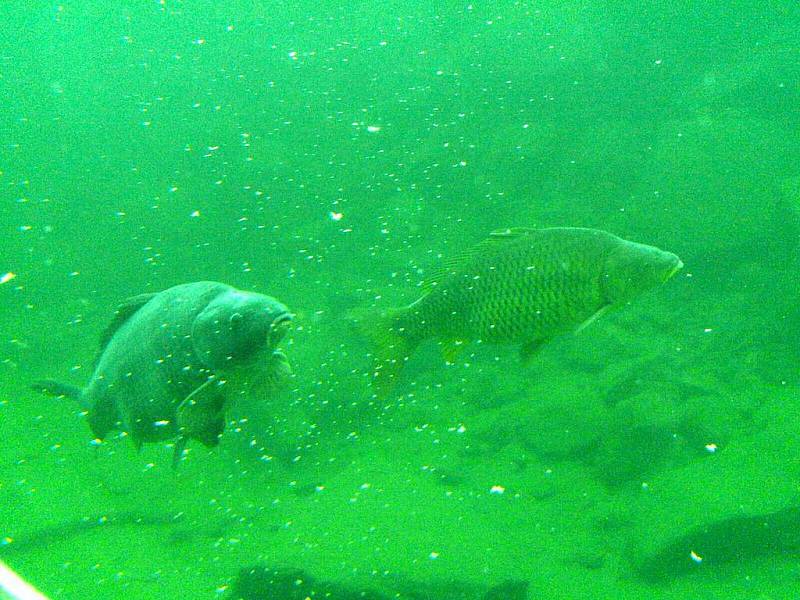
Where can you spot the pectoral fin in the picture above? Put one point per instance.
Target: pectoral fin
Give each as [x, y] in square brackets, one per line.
[603, 310]
[208, 435]
[197, 395]
[199, 416]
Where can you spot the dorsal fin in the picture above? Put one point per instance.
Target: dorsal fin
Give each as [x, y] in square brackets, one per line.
[124, 311]
[450, 266]
[510, 233]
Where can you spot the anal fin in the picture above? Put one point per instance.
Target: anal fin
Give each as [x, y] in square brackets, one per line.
[452, 349]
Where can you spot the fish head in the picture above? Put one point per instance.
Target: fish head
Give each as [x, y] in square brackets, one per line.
[239, 329]
[631, 269]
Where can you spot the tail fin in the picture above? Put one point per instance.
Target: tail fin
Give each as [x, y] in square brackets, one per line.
[392, 345]
[54, 388]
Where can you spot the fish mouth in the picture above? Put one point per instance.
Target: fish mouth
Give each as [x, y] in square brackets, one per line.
[278, 328]
[674, 269]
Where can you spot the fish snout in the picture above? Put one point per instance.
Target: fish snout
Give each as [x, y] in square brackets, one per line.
[674, 264]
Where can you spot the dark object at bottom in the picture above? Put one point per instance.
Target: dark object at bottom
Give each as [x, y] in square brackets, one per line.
[265, 583]
[509, 590]
[726, 541]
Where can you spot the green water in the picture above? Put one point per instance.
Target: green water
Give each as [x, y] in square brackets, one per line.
[328, 154]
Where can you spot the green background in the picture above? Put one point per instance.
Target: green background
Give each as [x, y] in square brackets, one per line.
[329, 154]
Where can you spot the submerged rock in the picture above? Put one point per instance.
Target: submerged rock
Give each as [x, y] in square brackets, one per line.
[266, 583]
[738, 504]
[726, 541]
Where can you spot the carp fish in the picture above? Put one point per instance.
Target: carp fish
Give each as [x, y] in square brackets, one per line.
[170, 362]
[519, 286]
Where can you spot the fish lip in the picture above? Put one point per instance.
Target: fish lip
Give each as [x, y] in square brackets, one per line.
[282, 318]
[677, 267]
[279, 327]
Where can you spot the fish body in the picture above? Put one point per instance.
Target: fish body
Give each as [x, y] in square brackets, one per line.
[520, 286]
[169, 361]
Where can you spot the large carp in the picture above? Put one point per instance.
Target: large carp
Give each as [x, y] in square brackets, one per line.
[169, 362]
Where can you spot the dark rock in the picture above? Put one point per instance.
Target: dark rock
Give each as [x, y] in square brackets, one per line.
[726, 541]
[509, 590]
[265, 583]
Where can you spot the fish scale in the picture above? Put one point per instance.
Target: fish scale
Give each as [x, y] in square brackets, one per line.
[507, 302]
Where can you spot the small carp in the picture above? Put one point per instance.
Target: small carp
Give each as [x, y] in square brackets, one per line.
[519, 286]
